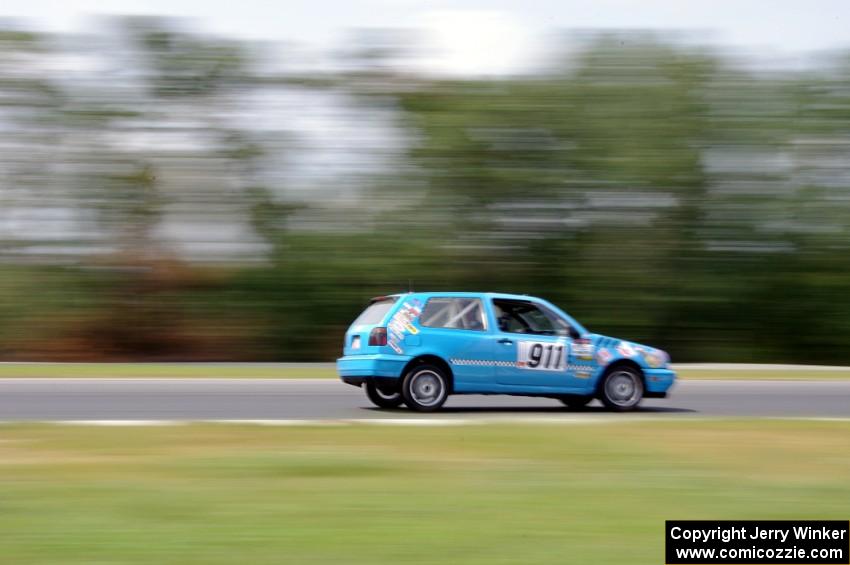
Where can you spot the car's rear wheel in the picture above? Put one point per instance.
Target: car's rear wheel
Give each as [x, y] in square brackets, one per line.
[622, 389]
[425, 388]
[575, 401]
[383, 398]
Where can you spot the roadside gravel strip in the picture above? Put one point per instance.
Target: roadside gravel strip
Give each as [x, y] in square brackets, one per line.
[330, 401]
[759, 367]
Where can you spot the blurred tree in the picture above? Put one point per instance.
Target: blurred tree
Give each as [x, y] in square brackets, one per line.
[640, 187]
[655, 190]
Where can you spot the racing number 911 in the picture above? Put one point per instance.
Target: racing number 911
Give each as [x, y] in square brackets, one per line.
[535, 355]
[418, 349]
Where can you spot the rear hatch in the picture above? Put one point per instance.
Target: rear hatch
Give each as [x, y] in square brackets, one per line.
[364, 336]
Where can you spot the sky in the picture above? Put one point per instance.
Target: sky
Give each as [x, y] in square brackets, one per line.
[490, 36]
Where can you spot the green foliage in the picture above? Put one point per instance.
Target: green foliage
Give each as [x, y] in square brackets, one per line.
[654, 190]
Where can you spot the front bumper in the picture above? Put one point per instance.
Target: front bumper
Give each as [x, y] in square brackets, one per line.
[658, 382]
[355, 369]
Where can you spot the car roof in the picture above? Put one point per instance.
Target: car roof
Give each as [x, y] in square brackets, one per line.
[485, 295]
[466, 294]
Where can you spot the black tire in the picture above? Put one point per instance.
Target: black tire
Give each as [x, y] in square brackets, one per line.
[575, 401]
[621, 389]
[425, 388]
[382, 399]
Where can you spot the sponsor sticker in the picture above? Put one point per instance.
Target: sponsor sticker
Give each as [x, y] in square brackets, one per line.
[583, 349]
[626, 349]
[402, 323]
[603, 356]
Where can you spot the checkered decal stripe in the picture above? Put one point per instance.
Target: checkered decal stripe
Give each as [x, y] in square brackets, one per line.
[486, 363]
[482, 363]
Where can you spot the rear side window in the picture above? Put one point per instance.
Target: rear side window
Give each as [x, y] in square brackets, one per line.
[375, 312]
[453, 313]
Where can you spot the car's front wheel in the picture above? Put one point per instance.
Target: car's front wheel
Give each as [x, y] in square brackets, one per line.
[622, 389]
[383, 398]
[425, 388]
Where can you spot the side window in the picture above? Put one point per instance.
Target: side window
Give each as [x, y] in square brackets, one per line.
[520, 317]
[453, 313]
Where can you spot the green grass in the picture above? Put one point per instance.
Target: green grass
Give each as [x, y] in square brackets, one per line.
[267, 371]
[373, 495]
[761, 374]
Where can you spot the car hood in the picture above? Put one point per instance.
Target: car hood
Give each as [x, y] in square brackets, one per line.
[609, 349]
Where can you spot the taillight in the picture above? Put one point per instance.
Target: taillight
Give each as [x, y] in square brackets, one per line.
[378, 336]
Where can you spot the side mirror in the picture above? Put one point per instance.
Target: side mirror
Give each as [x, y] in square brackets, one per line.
[574, 333]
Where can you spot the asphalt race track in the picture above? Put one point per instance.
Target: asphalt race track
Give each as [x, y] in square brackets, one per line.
[317, 399]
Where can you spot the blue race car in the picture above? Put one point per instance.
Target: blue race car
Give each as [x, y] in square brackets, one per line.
[418, 348]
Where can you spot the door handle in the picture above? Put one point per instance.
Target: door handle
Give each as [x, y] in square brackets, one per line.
[506, 341]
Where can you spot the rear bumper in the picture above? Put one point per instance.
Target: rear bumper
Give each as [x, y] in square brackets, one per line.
[355, 369]
[658, 382]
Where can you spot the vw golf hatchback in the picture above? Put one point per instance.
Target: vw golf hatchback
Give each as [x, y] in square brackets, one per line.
[419, 348]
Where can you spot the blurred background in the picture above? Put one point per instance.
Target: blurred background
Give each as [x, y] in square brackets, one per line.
[209, 183]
